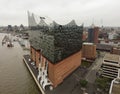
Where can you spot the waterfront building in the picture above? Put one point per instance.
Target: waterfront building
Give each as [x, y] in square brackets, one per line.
[55, 50]
[110, 65]
[89, 51]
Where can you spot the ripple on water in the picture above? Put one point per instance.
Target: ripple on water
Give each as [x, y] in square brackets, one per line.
[14, 76]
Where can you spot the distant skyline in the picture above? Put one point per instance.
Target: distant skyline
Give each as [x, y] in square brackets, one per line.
[99, 12]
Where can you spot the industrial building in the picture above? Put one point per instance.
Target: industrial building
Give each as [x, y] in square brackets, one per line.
[55, 50]
[110, 66]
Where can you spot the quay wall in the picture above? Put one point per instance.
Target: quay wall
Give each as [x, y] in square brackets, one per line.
[40, 88]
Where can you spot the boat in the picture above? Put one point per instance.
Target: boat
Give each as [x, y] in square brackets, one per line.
[10, 44]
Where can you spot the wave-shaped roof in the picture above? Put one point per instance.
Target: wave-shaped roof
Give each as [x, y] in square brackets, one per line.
[70, 24]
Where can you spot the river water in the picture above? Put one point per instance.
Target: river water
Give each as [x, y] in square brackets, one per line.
[14, 75]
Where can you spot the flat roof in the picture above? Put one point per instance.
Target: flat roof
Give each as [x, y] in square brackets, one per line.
[116, 87]
[112, 57]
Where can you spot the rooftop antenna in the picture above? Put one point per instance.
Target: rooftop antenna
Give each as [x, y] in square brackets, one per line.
[101, 22]
[93, 21]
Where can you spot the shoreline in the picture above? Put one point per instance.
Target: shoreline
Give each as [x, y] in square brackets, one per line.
[33, 75]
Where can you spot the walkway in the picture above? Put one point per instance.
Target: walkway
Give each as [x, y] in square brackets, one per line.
[91, 75]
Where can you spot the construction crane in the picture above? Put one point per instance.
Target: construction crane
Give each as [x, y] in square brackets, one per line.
[42, 18]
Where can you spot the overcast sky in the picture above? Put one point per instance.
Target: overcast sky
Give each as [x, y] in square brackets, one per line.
[101, 12]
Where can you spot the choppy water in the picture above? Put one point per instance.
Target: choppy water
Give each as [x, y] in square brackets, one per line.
[14, 75]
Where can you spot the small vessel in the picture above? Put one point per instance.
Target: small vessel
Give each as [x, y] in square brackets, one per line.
[8, 41]
[9, 44]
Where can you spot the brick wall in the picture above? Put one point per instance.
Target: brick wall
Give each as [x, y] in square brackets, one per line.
[58, 72]
[89, 51]
[33, 54]
[37, 58]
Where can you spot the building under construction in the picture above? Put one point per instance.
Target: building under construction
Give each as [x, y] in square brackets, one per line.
[55, 49]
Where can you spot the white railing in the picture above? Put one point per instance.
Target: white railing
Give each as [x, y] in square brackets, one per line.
[43, 75]
[111, 87]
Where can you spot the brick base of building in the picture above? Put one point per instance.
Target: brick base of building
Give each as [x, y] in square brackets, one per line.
[59, 71]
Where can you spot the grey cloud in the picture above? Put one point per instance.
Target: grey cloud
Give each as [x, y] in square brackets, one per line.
[83, 11]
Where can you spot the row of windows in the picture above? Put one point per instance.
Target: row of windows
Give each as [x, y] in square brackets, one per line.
[111, 62]
[111, 66]
[109, 76]
[111, 70]
[109, 73]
